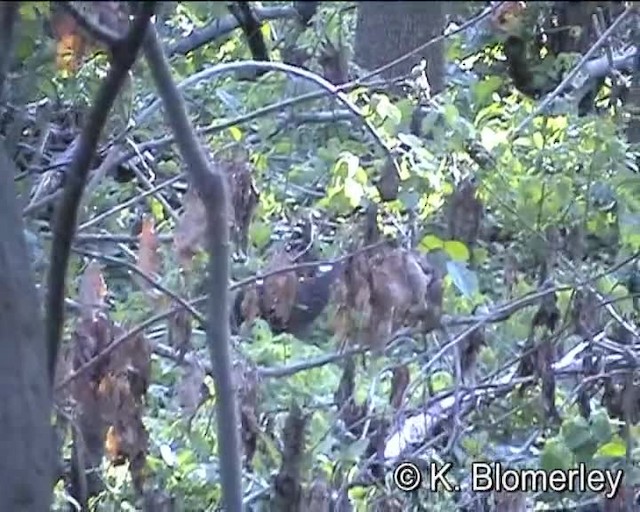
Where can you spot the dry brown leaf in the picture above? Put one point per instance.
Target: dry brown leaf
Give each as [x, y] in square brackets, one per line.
[92, 290]
[465, 213]
[244, 199]
[318, 496]
[399, 383]
[250, 305]
[279, 291]
[379, 294]
[112, 444]
[508, 17]
[189, 235]
[190, 388]
[389, 182]
[148, 256]
[179, 332]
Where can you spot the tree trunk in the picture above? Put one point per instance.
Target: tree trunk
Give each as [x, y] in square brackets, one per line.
[26, 436]
[388, 30]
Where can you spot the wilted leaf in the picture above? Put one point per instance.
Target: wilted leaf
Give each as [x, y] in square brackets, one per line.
[92, 290]
[399, 384]
[188, 237]
[190, 388]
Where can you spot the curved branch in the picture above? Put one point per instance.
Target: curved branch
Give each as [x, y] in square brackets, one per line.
[252, 66]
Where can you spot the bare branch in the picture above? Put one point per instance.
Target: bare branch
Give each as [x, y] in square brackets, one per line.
[66, 215]
[212, 187]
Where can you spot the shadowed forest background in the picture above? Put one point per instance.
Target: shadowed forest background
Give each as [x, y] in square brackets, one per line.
[255, 254]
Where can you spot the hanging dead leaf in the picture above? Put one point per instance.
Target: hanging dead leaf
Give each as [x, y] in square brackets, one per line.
[378, 294]
[179, 332]
[465, 212]
[188, 237]
[250, 306]
[334, 62]
[148, 255]
[244, 199]
[288, 483]
[247, 383]
[399, 383]
[190, 388]
[318, 496]
[92, 290]
[469, 349]
[279, 291]
[389, 182]
[112, 444]
[585, 314]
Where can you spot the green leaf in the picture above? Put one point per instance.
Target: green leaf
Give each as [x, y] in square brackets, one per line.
[456, 250]
[441, 380]
[451, 114]
[409, 199]
[387, 110]
[355, 450]
[576, 432]
[465, 280]
[431, 242]
[236, 133]
[555, 455]
[616, 448]
[538, 140]
[157, 210]
[259, 234]
[601, 426]
[483, 90]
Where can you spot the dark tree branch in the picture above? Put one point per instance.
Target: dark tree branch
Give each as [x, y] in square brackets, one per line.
[250, 25]
[212, 188]
[67, 212]
[8, 17]
[225, 25]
